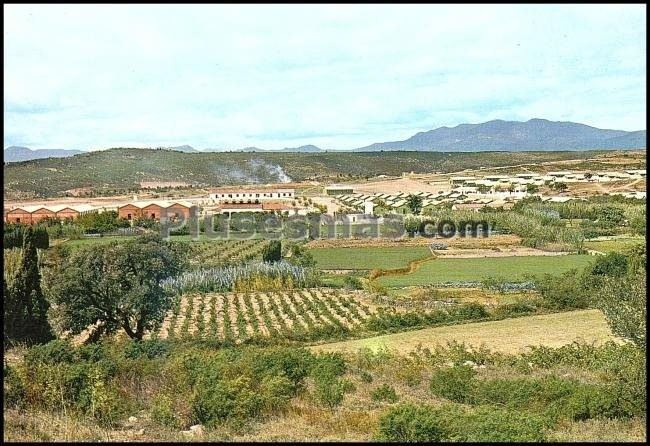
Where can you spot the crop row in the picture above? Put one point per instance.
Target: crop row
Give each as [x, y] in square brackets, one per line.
[238, 316]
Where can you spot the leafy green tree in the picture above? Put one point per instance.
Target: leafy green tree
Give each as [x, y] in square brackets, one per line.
[116, 286]
[300, 256]
[623, 301]
[414, 202]
[610, 216]
[26, 315]
[272, 252]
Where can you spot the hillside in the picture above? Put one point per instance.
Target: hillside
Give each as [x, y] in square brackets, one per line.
[120, 170]
[535, 134]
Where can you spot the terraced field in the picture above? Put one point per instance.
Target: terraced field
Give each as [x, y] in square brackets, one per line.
[238, 316]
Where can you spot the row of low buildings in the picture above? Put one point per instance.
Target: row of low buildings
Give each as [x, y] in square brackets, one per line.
[250, 195]
[228, 201]
[35, 214]
[520, 180]
[398, 204]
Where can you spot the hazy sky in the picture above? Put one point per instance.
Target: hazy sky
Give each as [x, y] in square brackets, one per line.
[340, 76]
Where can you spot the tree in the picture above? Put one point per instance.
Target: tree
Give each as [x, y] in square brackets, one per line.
[116, 286]
[272, 252]
[297, 255]
[610, 216]
[414, 203]
[623, 301]
[26, 315]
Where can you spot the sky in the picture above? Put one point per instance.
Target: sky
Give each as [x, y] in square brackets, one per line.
[338, 76]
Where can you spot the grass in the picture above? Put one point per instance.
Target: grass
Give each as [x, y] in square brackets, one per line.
[507, 336]
[614, 245]
[514, 268]
[368, 258]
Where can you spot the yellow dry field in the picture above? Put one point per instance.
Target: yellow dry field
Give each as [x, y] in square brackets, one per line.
[507, 336]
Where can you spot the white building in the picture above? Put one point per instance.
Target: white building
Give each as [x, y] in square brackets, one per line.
[239, 195]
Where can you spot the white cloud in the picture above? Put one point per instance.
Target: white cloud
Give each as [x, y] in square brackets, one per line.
[340, 76]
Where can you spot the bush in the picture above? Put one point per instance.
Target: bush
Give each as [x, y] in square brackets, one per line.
[453, 383]
[54, 352]
[365, 377]
[384, 393]
[149, 349]
[352, 283]
[330, 391]
[562, 292]
[272, 252]
[411, 423]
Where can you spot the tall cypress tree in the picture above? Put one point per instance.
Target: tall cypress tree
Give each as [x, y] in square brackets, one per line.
[28, 321]
[9, 313]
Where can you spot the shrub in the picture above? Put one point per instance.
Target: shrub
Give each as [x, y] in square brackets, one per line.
[272, 252]
[562, 292]
[453, 383]
[150, 349]
[384, 393]
[330, 391]
[54, 352]
[411, 423]
[365, 377]
[352, 283]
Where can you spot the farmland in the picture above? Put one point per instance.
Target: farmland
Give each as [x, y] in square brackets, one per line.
[368, 257]
[508, 336]
[235, 317]
[614, 244]
[516, 268]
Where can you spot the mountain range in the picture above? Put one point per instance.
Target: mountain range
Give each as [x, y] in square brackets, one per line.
[496, 135]
[17, 153]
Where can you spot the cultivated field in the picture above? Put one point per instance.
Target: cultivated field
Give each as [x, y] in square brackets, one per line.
[614, 244]
[508, 336]
[476, 269]
[368, 258]
[238, 316]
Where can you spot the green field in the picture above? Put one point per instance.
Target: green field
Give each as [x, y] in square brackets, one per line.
[368, 258]
[513, 268]
[614, 245]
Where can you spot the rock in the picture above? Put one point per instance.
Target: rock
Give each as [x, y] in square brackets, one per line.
[139, 432]
[469, 363]
[132, 419]
[197, 429]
